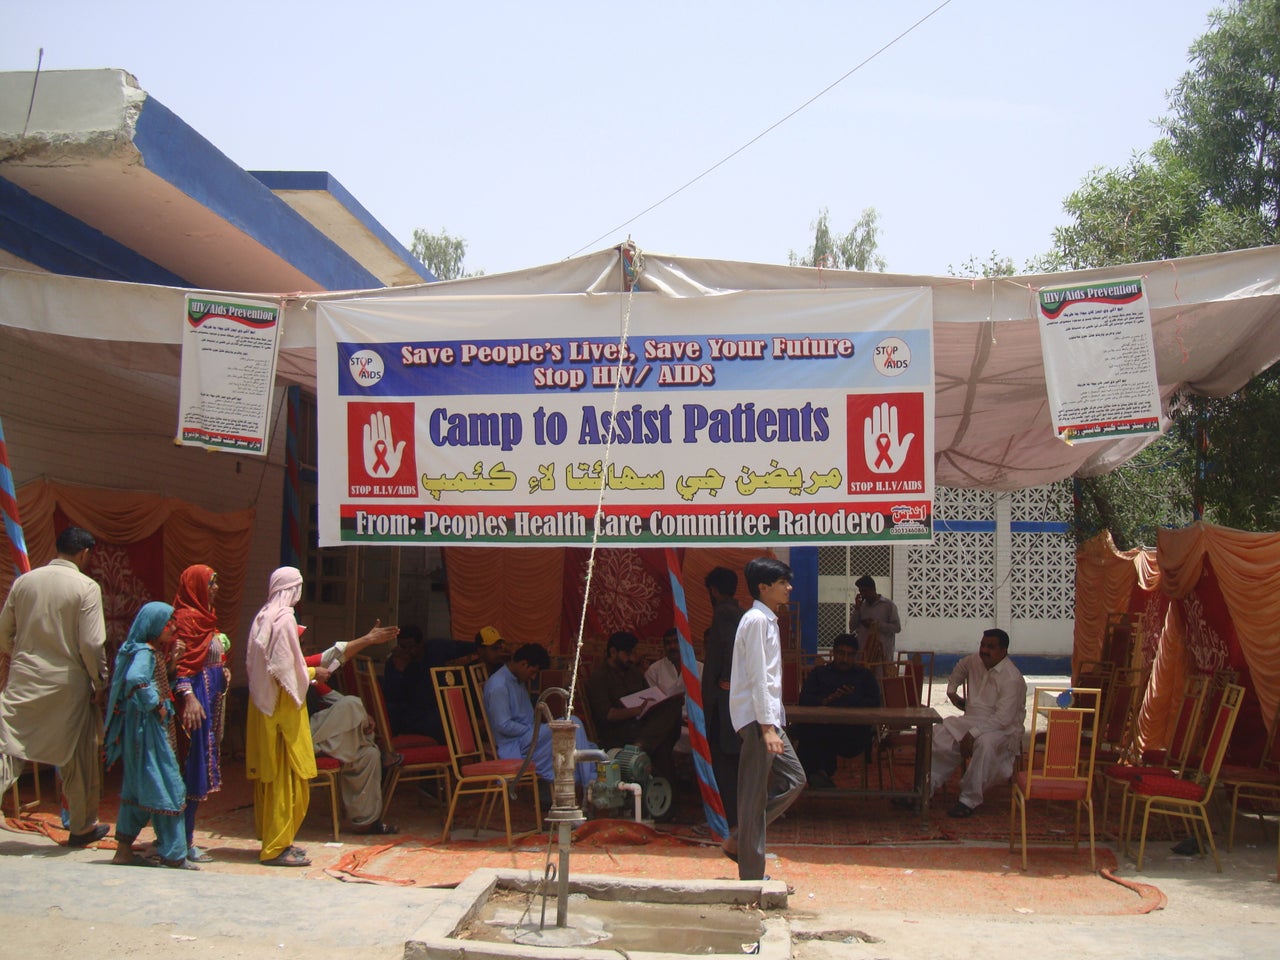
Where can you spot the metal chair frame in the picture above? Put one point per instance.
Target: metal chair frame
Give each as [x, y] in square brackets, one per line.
[424, 760]
[327, 772]
[475, 774]
[1188, 797]
[1063, 769]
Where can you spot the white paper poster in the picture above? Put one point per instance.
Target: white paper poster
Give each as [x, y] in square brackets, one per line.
[1099, 360]
[229, 351]
[781, 416]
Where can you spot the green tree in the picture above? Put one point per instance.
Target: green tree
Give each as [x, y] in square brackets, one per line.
[1154, 208]
[1226, 110]
[994, 266]
[856, 250]
[1212, 184]
[442, 253]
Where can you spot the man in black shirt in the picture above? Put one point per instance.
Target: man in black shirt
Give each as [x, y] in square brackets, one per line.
[840, 683]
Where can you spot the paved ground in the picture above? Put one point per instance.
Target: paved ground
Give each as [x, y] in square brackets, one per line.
[57, 903]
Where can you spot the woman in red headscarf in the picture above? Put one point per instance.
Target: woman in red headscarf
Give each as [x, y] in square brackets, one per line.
[199, 690]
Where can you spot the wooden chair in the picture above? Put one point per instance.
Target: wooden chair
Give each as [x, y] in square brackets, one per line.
[895, 691]
[918, 664]
[474, 774]
[1187, 798]
[327, 770]
[18, 805]
[424, 760]
[1063, 770]
[1258, 785]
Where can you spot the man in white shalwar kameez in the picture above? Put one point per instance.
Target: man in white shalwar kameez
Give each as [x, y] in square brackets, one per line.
[989, 734]
[53, 646]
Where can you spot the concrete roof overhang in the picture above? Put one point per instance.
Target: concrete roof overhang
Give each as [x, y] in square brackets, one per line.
[99, 179]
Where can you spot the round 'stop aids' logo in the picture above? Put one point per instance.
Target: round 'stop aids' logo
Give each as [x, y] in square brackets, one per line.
[365, 367]
[892, 356]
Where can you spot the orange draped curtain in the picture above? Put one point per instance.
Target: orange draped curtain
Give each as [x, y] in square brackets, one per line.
[519, 590]
[191, 534]
[1247, 566]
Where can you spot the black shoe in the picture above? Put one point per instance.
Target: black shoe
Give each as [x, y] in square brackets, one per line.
[1187, 847]
[93, 835]
[960, 811]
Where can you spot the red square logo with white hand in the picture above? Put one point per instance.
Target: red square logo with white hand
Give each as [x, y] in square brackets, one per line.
[380, 450]
[886, 443]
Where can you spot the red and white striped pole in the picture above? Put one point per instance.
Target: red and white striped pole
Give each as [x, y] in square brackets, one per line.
[9, 507]
[712, 804]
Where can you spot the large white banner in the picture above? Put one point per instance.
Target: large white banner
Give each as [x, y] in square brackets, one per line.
[1099, 360]
[799, 417]
[229, 352]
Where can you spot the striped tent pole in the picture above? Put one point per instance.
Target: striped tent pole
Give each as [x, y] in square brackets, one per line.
[9, 507]
[712, 804]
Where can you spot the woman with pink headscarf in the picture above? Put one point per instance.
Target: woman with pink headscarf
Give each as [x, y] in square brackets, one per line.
[279, 757]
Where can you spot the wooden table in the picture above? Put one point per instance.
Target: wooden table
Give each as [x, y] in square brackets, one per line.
[921, 719]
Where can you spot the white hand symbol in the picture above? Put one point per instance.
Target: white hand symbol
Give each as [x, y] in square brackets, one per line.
[885, 453]
[381, 453]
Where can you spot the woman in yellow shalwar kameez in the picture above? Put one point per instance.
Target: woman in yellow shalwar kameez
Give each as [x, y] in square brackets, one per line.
[279, 757]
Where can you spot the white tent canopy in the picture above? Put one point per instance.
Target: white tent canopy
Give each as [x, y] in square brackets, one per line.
[1216, 322]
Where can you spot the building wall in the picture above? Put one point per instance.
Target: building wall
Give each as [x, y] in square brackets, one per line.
[997, 560]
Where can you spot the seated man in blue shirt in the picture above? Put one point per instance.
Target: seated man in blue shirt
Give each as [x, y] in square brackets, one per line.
[840, 683]
[509, 705]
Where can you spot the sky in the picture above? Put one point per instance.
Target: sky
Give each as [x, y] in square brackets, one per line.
[535, 131]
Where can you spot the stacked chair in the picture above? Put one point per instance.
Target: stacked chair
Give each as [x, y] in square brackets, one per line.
[1257, 785]
[1171, 758]
[1186, 796]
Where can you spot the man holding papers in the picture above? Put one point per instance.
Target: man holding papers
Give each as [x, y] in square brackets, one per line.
[648, 721]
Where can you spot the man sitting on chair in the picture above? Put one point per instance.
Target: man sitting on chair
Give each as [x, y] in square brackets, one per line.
[510, 709]
[342, 729]
[653, 728]
[989, 734]
[840, 683]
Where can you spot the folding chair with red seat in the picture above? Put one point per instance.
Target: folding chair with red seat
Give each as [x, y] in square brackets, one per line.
[327, 770]
[1258, 785]
[1187, 798]
[1170, 758]
[423, 760]
[474, 773]
[1063, 769]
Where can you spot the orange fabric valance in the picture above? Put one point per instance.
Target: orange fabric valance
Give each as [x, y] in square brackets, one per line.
[191, 534]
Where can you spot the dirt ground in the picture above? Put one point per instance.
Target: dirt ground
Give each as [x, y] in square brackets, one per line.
[878, 902]
[57, 903]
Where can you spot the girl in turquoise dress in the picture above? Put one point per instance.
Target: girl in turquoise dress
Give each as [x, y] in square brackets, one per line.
[140, 734]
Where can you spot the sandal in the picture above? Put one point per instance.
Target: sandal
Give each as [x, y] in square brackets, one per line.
[196, 855]
[378, 828]
[179, 864]
[290, 858]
